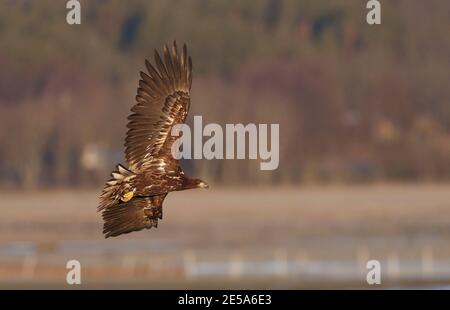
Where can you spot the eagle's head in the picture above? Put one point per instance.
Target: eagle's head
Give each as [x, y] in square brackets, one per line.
[201, 184]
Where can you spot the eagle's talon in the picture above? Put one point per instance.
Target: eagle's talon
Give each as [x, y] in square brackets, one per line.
[127, 196]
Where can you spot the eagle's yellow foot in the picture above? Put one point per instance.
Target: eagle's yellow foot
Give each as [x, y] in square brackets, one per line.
[127, 196]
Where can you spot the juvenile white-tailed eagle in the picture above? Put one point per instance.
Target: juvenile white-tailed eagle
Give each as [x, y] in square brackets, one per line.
[132, 199]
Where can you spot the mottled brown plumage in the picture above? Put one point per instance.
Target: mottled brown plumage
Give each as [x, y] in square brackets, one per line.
[132, 199]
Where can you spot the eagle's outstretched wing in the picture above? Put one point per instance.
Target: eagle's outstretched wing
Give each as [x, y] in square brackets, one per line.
[163, 100]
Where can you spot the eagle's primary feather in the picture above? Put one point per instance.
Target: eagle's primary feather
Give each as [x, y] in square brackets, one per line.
[162, 100]
[132, 199]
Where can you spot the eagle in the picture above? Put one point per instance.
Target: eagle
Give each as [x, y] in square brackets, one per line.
[132, 199]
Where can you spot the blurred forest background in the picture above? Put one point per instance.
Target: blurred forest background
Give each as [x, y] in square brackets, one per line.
[355, 103]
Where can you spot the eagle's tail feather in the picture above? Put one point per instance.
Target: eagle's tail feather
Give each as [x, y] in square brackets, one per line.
[125, 217]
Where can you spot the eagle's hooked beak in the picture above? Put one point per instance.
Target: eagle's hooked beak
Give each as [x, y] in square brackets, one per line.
[203, 185]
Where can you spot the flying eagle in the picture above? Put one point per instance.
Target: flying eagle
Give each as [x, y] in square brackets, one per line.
[132, 199]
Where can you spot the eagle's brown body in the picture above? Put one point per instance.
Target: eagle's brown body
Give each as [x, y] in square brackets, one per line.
[132, 199]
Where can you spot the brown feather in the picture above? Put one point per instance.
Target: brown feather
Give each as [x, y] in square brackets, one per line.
[132, 199]
[162, 101]
[137, 214]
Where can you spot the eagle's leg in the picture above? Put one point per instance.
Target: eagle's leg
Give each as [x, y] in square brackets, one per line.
[127, 196]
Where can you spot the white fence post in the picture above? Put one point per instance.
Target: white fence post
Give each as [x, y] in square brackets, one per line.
[393, 266]
[281, 263]
[190, 264]
[236, 266]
